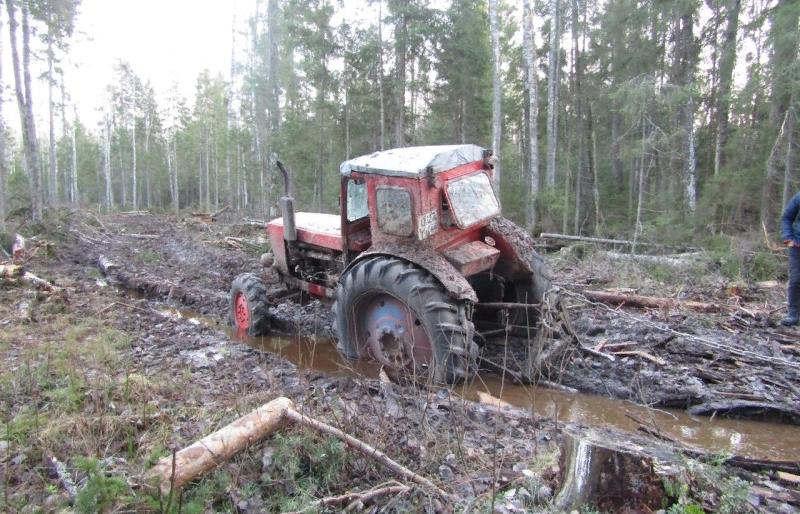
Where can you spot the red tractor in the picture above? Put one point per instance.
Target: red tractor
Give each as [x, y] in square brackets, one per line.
[420, 265]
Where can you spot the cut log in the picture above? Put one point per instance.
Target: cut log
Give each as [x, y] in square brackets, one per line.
[651, 302]
[206, 454]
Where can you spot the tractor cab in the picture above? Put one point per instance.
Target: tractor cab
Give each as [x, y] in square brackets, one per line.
[437, 197]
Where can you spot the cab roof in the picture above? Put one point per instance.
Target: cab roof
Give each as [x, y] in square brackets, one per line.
[412, 161]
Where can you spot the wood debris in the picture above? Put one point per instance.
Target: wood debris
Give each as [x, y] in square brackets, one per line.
[174, 472]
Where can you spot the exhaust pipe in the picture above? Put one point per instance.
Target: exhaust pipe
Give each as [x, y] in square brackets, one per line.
[287, 206]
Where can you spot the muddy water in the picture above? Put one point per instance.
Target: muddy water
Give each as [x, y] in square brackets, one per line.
[752, 439]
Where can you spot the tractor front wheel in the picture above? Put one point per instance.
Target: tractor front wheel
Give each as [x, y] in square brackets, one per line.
[397, 314]
[249, 307]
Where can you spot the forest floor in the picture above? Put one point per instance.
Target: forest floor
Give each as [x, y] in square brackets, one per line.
[100, 382]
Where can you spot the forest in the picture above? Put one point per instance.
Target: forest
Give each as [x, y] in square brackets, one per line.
[629, 118]
[606, 333]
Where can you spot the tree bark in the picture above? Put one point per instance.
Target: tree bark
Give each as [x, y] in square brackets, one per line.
[726, 64]
[380, 74]
[134, 193]
[552, 92]
[400, 49]
[3, 165]
[107, 165]
[22, 87]
[73, 184]
[533, 113]
[497, 92]
[53, 185]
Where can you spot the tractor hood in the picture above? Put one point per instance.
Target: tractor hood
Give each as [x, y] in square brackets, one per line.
[414, 161]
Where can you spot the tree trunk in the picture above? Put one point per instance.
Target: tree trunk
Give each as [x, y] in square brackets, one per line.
[400, 49]
[22, 87]
[3, 166]
[107, 167]
[497, 92]
[53, 189]
[134, 192]
[146, 167]
[788, 163]
[380, 73]
[552, 92]
[690, 162]
[533, 113]
[73, 185]
[593, 165]
[176, 201]
[726, 64]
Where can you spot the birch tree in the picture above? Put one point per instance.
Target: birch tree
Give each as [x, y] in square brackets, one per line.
[22, 88]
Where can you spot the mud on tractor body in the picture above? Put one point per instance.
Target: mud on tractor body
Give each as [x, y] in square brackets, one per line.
[420, 265]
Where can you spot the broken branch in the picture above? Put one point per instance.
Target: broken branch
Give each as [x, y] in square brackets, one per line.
[651, 302]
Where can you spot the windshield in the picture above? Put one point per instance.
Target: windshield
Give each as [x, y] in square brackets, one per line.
[472, 199]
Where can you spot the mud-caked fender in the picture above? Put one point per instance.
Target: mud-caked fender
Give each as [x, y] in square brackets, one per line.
[426, 258]
[518, 256]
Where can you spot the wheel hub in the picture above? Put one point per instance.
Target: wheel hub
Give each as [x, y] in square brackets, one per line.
[391, 333]
[241, 313]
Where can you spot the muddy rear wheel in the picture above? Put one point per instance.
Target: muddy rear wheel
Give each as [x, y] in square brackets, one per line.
[248, 304]
[397, 314]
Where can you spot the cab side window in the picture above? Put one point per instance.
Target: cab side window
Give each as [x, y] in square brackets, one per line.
[394, 211]
[357, 200]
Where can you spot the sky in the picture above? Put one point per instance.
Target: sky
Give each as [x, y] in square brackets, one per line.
[165, 42]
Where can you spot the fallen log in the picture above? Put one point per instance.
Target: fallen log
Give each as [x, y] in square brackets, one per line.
[682, 260]
[40, 283]
[651, 302]
[174, 472]
[746, 409]
[600, 240]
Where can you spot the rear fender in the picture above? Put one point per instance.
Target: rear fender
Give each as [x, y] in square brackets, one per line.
[455, 283]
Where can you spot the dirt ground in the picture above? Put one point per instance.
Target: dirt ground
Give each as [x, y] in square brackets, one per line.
[121, 370]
